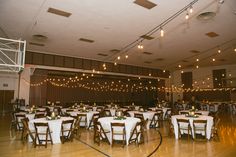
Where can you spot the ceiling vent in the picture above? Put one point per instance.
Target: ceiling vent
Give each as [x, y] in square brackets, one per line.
[195, 51]
[115, 50]
[147, 37]
[36, 44]
[185, 61]
[102, 54]
[147, 53]
[159, 59]
[212, 34]
[86, 40]
[40, 37]
[59, 12]
[206, 16]
[145, 3]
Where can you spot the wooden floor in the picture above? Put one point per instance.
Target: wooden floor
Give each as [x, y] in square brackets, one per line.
[12, 146]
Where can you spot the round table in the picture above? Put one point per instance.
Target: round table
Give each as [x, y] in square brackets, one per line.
[146, 115]
[205, 113]
[130, 123]
[88, 114]
[54, 126]
[201, 117]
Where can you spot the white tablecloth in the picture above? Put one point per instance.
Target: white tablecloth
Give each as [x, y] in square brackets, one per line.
[88, 115]
[147, 115]
[130, 123]
[208, 118]
[205, 113]
[54, 125]
[164, 110]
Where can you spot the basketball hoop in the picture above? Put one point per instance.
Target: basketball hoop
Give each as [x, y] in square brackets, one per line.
[12, 55]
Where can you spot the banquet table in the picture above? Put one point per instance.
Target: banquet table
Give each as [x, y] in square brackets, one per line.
[164, 110]
[130, 123]
[201, 117]
[205, 113]
[54, 126]
[147, 115]
[27, 115]
[63, 110]
[88, 114]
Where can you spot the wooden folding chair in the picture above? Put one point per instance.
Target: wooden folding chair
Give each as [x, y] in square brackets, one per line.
[67, 130]
[118, 129]
[184, 125]
[42, 134]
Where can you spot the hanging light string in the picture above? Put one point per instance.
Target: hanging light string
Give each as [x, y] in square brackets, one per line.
[136, 42]
[209, 50]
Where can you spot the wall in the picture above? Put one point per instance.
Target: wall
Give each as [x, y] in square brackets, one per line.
[202, 78]
[9, 81]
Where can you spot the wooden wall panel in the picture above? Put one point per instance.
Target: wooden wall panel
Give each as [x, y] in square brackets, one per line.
[48, 60]
[69, 62]
[208, 95]
[59, 61]
[87, 64]
[37, 58]
[78, 63]
[29, 57]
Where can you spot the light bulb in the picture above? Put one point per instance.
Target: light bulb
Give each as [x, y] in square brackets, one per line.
[162, 32]
[191, 9]
[197, 66]
[115, 63]
[140, 46]
[219, 51]
[118, 57]
[213, 59]
[126, 56]
[197, 59]
[235, 50]
[104, 65]
[187, 16]
[179, 66]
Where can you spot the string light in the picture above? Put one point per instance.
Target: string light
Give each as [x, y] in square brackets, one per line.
[187, 15]
[115, 63]
[197, 66]
[197, 60]
[162, 32]
[219, 51]
[235, 50]
[126, 56]
[179, 66]
[213, 59]
[140, 46]
[118, 57]
[191, 10]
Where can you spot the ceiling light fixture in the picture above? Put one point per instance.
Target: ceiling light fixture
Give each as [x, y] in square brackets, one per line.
[191, 9]
[162, 32]
[187, 16]
[137, 42]
[140, 46]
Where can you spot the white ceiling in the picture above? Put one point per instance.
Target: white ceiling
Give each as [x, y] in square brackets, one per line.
[113, 24]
